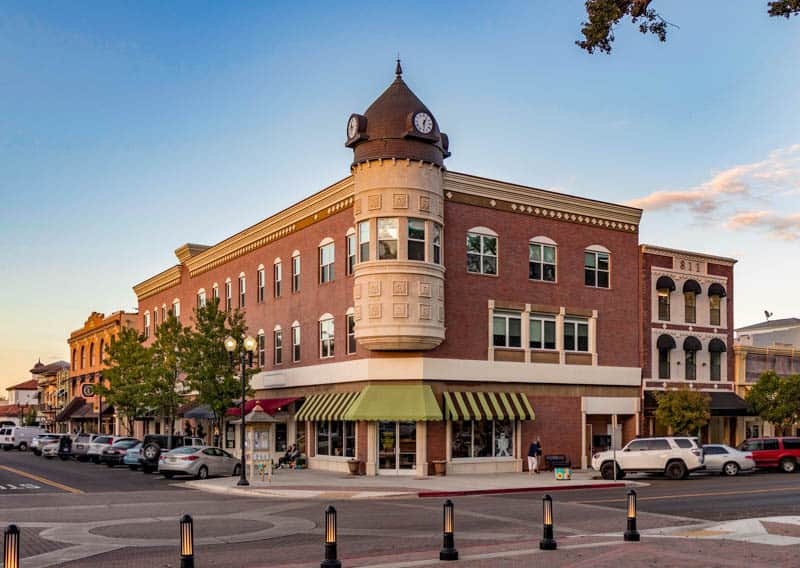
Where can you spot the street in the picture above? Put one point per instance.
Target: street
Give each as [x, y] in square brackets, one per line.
[80, 514]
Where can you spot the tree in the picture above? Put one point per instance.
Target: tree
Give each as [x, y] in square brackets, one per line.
[162, 392]
[776, 399]
[127, 367]
[603, 15]
[205, 361]
[30, 418]
[683, 411]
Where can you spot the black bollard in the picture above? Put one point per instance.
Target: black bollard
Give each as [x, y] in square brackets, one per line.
[187, 542]
[448, 551]
[11, 547]
[547, 542]
[631, 534]
[331, 561]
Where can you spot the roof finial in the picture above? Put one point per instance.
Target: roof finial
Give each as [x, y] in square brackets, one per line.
[398, 70]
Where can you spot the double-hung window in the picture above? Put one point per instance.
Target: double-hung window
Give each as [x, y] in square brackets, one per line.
[596, 268]
[664, 295]
[714, 303]
[416, 239]
[363, 241]
[481, 253]
[296, 342]
[576, 335]
[242, 290]
[326, 258]
[262, 350]
[507, 329]
[261, 285]
[388, 235]
[716, 365]
[228, 295]
[691, 364]
[690, 307]
[351, 334]
[326, 343]
[296, 273]
[278, 344]
[437, 243]
[351, 253]
[215, 293]
[277, 270]
[176, 310]
[541, 261]
[542, 332]
[664, 363]
[146, 327]
[201, 299]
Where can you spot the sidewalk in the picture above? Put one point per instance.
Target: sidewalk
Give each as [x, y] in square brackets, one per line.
[314, 484]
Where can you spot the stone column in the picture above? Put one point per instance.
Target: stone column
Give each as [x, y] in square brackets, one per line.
[372, 448]
[422, 449]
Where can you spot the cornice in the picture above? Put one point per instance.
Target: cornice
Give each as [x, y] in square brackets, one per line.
[158, 283]
[656, 271]
[503, 196]
[747, 349]
[688, 255]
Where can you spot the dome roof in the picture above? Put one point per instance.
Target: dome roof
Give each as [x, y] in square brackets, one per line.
[387, 128]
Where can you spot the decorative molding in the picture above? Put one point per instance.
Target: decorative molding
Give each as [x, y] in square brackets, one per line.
[158, 283]
[425, 290]
[425, 312]
[374, 311]
[374, 288]
[400, 288]
[687, 255]
[374, 202]
[424, 203]
[400, 201]
[400, 310]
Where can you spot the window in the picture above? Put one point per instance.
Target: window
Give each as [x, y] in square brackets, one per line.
[637, 446]
[483, 438]
[663, 364]
[278, 273]
[295, 342]
[596, 268]
[388, 234]
[791, 444]
[146, 325]
[326, 257]
[281, 437]
[351, 334]
[201, 299]
[278, 341]
[155, 319]
[74, 358]
[262, 349]
[242, 290]
[658, 444]
[326, 338]
[261, 282]
[771, 444]
[215, 293]
[351, 253]
[690, 307]
[163, 314]
[101, 352]
[363, 241]
[663, 304]
[481, 253]
[713, 450]
[437, 243]
[542, 332]
[691, 365]
[296, 273]
[416, 239]
[541, 261]
[576, 335]
[336, 438]
[228, 295]
[716, 365]
[714, 303]
[507, 329]
[176, 310]
[91, 355]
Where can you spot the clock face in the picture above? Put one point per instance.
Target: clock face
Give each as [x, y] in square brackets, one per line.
[423, 122]
[352, 127]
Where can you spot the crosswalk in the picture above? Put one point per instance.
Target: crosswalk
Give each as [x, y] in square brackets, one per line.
[19, 486]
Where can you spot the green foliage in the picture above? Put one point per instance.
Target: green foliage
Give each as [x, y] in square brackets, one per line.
[603, 15]
[205, 361]
[128, 367]
[776, 399]
[162, 390]
[683, 411]
[30, 418]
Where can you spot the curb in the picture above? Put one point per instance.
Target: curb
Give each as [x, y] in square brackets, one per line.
[426, 494]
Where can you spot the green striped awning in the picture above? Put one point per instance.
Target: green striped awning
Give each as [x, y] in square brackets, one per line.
[487, 406]
[328, 406]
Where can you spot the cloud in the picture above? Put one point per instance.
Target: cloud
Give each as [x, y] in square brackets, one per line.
[777, 226]
[778, 174]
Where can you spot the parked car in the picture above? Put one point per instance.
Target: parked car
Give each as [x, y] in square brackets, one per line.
[132, 456]
[782, 453]
[100, 443]
[154, 444]
[41, 441]
[61, 447]
[19, 437]
[675, 457]
[113, 454]
[80, 446]
[719, 458]
[199, 462]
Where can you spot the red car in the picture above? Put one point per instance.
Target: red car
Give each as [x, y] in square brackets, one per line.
[783, 453]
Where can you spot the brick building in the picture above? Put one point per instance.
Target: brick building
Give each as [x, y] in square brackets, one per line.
[687, 336]
[53, 380]
[407, 314]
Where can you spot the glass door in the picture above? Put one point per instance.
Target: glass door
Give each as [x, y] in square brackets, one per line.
[407, 445]
[387, 446]
[397, 447]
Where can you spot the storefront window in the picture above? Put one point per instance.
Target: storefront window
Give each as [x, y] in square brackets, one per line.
[323, 438]
[280, 437]
[300, 436]
[336, 438]
[482, 438]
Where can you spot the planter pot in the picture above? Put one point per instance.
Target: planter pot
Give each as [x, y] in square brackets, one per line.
[354, 466]
[440, 468]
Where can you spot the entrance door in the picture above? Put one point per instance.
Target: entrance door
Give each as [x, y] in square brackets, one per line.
[397, 447]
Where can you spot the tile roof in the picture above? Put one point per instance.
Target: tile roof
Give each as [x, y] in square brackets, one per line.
[31, 384]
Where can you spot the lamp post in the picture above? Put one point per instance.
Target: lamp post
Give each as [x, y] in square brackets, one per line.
[245, 360]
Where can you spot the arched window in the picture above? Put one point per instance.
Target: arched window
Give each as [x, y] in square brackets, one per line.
[691, 345]
[83, 356]
[261, 278]
[102, 351]
[664, 286]
[542, 259]
[597, 266]
[277, 340]
[296, 271]
[176, 309]
[295, 341]
[262, 348]
[351, 331]
[716, 347]
[242, 290]
[482, 251]
[277, 269]
[715, 294]
[691, 289]
[326, 336]
[352, 248]
[74, 358]
[327, 255]
[215, 292]
[146, 324]
[201, 298]
[91, 355]
[228, 294]
[665, 344]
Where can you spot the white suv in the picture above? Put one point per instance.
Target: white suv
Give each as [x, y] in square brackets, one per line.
[675, 457]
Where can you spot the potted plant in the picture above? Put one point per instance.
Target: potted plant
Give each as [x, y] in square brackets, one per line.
[439, 467]
[354, 466]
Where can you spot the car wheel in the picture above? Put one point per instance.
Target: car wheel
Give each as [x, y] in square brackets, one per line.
[202, 473]
[607, 471]
[676, 470]
[151, 452]
[237, 469]
[23, 447]
[168, 474]
[788, 465]
[730, 468]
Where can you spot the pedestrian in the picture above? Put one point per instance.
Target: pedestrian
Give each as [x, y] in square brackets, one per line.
[534, 451]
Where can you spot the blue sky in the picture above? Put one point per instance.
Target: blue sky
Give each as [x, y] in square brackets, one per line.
[129, 128]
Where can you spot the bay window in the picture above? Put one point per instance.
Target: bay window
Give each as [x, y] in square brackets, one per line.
[416, 239]
[363, 241]
[437, 243]
[388, 234]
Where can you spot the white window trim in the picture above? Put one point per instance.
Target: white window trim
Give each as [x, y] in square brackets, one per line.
[507, 315]
[483, 231]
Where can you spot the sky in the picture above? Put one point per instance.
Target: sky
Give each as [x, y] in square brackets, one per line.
[130, 128]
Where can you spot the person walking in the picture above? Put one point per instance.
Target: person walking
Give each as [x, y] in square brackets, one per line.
[534, 451]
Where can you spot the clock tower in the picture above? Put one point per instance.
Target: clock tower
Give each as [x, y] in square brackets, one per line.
[398, 169]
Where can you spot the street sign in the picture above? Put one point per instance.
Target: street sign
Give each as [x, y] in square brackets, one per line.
[87, 390]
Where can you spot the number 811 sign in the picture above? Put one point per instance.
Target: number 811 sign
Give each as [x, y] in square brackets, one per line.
[87, 391]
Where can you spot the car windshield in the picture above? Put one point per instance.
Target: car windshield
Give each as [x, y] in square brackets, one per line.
[183, 451]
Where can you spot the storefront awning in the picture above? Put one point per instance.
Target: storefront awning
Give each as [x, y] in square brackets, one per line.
[328, 406]
[487, 406]
[269, 405]
[726, 403]
[201, 412]
[395, 402]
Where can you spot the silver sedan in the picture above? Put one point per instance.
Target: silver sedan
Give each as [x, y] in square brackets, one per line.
[200, 462]
[726, 460]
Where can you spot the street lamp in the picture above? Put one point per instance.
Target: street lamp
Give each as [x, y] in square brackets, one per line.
[245, 360]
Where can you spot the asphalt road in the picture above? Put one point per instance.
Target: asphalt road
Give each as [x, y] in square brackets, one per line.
[80, 514]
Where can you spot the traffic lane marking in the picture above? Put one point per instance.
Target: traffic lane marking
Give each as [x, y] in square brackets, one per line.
[41, 479]
[685, 495]
[23, 486]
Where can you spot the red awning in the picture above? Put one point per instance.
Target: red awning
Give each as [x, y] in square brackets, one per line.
[270, 405]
